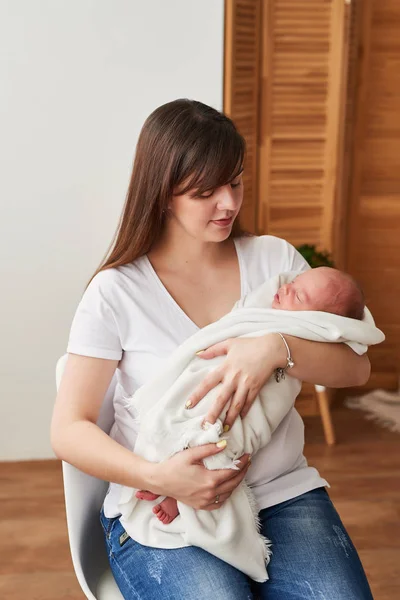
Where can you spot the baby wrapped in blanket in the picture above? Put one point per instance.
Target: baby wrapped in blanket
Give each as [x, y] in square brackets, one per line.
[311, 306]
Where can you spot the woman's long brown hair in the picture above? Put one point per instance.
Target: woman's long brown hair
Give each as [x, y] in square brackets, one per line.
[183, 141]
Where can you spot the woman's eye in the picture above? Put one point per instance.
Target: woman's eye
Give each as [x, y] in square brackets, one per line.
[206, 195]
[234, 185]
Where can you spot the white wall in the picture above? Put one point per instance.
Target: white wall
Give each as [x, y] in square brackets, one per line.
[77, 80]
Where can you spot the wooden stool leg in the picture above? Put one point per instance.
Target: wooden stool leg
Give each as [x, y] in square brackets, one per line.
[324, 409]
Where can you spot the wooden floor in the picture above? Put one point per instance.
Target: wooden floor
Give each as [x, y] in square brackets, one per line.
[363, 470]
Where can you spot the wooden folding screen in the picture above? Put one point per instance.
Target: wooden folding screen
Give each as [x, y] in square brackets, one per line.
[314, 86]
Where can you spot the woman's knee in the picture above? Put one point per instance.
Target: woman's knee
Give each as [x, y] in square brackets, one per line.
[312, 553]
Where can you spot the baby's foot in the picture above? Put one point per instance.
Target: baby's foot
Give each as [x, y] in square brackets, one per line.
[167, 510]
[146, 495]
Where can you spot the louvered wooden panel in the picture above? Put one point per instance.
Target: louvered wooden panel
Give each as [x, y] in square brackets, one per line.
[302, 71]
[241, 90]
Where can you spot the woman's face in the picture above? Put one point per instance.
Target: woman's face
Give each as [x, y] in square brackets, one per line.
[208, 217]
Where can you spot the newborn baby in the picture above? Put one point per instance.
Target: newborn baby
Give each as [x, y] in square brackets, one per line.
[321, 289]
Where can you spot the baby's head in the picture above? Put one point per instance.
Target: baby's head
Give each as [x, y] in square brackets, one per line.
[325, 289]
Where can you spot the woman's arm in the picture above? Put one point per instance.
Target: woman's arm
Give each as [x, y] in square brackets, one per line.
[329, 364]
[250, 362]
[77, 439]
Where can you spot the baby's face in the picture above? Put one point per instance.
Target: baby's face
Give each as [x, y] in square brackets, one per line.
[309, 291]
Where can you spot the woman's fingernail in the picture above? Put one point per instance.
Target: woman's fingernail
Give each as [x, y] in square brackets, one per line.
[249, 459]
[226, 428]
[221, 444]
[188, 404]
[200, 351]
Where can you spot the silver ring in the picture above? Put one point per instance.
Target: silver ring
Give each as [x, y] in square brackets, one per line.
[217, 499]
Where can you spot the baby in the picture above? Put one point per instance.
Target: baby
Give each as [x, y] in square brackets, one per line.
[322, 289]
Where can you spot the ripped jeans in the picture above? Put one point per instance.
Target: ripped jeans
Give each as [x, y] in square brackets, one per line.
[313, 558]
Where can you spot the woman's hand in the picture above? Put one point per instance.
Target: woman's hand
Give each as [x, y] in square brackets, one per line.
[250, 362]
[185, 478]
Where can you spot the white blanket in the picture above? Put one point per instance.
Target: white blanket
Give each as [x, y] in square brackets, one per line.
[166, 426]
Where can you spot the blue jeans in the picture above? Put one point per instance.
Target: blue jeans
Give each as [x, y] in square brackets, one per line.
[313, 559]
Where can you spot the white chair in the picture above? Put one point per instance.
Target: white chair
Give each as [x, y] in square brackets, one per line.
[84, 497]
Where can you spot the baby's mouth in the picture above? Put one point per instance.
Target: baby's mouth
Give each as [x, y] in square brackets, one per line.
[276, 298]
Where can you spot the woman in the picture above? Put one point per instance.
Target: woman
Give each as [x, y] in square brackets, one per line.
[180, 262]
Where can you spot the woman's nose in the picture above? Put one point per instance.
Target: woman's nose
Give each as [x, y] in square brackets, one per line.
[226, 198]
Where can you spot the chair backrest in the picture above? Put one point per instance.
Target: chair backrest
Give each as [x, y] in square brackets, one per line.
[84, 496]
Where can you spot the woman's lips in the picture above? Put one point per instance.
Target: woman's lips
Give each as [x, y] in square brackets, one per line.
[223, 222]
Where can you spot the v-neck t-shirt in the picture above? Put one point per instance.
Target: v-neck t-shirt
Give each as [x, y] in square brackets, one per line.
[127, 314]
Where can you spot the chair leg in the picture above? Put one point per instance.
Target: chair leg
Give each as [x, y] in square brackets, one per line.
[326, 417]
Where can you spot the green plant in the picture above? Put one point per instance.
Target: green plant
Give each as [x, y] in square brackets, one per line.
[314, 257]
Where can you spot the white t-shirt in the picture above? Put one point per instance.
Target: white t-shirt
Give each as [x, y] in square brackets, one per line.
[127, 314]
